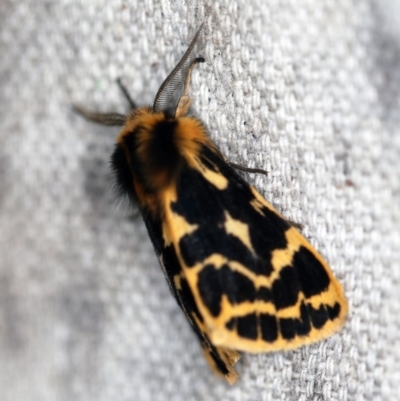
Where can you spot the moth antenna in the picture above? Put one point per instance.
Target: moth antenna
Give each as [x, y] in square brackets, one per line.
[127, 95]
[178, 75]
[111, 119]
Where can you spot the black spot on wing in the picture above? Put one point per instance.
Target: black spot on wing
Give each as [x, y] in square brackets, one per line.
[186, 295]
[209, 239]
[210, 289]
[312, 275]
[288, 328]
[231, 324]
[171, 262]
[292, 327]
[267, 232]
[247, 326]
[269, 327]
[197, 199]
[214, 283]
[201, 203]
[286, 288]
[318, 316]
[333, 312]
[264, 294]
[303, 326]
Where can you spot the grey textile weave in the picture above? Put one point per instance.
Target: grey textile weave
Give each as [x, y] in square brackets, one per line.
[308, 90]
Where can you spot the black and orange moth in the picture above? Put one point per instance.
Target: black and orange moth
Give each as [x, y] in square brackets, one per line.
[245, 278]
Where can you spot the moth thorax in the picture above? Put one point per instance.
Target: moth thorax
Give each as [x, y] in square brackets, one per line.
[155, 155]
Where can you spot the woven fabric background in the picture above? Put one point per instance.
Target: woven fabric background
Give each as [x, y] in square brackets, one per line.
[309, 91]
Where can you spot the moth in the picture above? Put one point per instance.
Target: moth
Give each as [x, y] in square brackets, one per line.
[245, 278]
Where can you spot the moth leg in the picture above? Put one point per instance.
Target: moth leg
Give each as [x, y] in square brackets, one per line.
[260, 171]
[126, 94]
[295, 225]
[246, 169]
[111, 119]
[185, 101]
